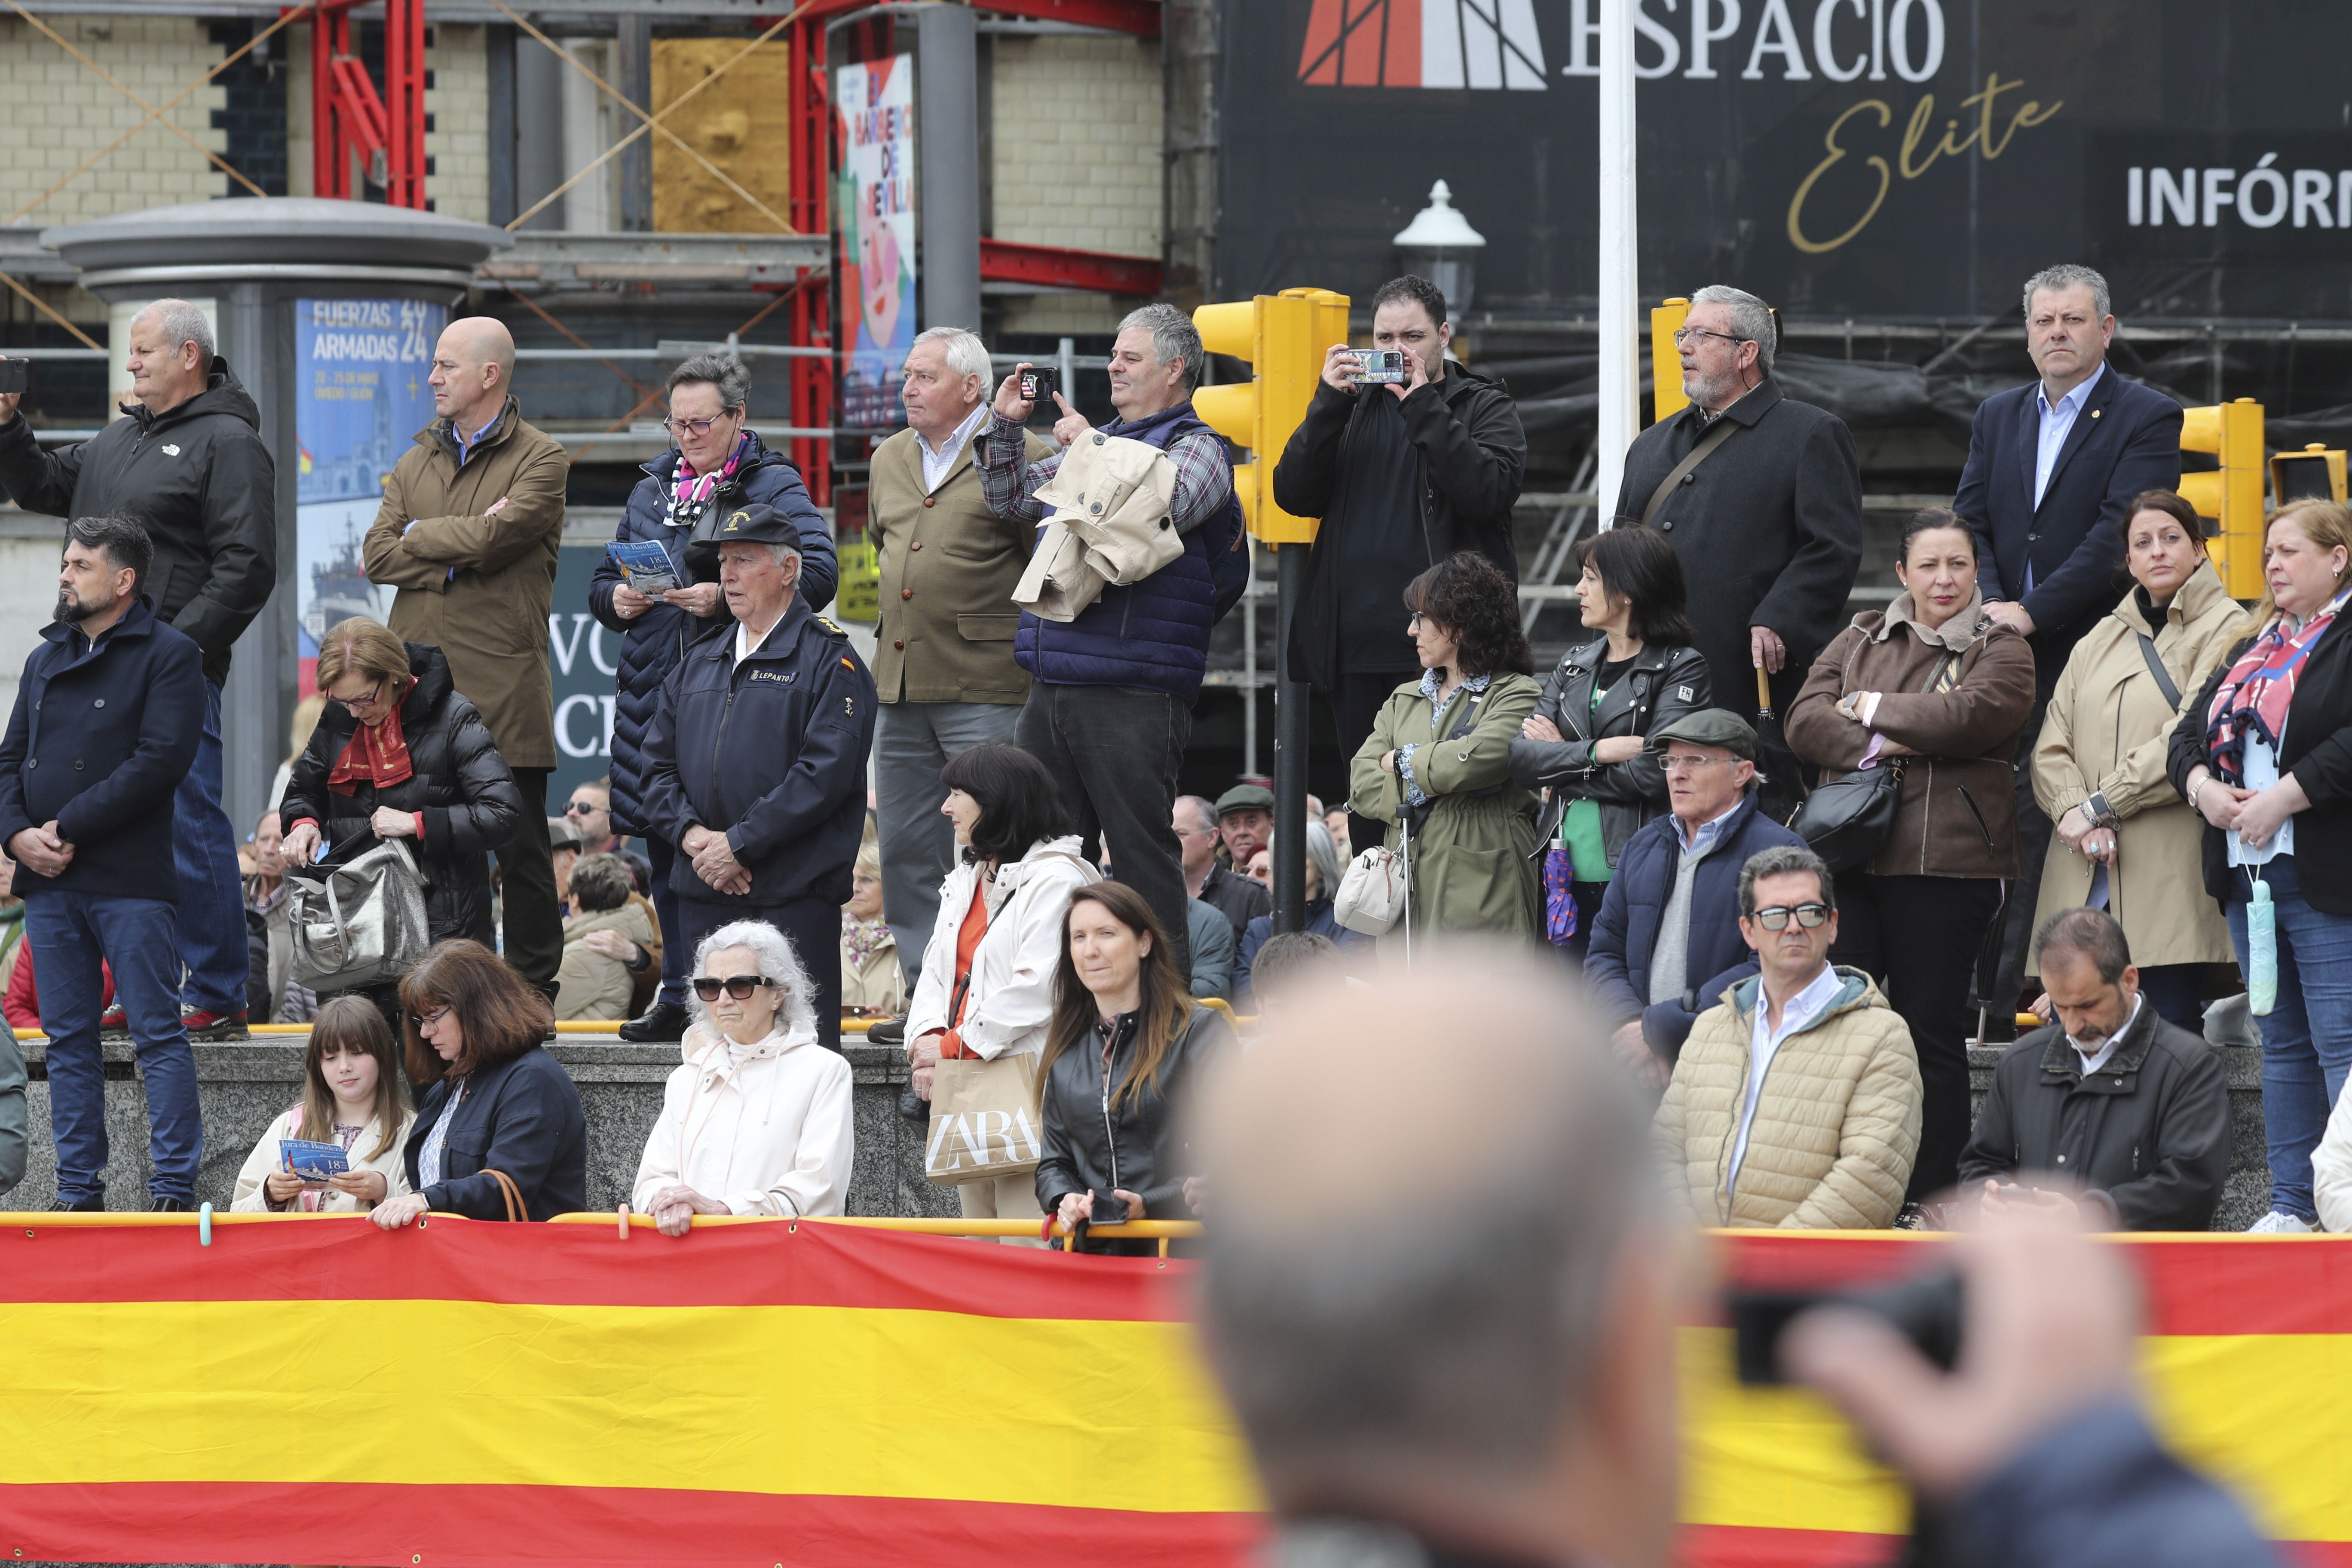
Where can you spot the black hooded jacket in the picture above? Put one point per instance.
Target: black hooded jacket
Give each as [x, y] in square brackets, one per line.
[460, 784]
[201, 480]
[1470, 453]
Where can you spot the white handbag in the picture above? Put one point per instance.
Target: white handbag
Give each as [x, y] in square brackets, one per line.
[1374, 890]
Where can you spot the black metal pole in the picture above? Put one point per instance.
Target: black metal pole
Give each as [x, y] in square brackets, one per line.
[1289, 749]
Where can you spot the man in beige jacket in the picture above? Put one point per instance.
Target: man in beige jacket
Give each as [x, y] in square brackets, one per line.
[1795, 1102]
[468, 533]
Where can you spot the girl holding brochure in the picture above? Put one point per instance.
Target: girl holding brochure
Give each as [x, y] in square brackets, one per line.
[353, 1096]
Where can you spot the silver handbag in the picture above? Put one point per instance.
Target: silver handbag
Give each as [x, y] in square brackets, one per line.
[359, 924]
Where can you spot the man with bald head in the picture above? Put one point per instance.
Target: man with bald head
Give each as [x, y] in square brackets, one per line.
[1445, 1295]
[470, 530]
[187, 461]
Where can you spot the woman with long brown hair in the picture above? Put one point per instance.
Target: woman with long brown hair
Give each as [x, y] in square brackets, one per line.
[352, 1095]
[1125, 1038]
[494, 1102]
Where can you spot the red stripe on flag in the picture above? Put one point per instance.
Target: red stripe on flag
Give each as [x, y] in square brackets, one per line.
[1743, 1546]
[335, 1259]
[125, 1522]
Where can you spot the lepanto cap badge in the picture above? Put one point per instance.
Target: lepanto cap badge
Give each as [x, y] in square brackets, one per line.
[762, 524]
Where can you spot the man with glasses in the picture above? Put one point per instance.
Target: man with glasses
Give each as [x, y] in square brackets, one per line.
[716, 466]
[1796, 1103]
[590, 810]
[1762, 499]
[468, 534]
[1666, 943]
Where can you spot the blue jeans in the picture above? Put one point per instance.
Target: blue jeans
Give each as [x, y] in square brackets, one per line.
[210, 938]
[70, 933]
[2307, 1038]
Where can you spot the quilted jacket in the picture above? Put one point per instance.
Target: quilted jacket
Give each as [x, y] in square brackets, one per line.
[1836, 1125]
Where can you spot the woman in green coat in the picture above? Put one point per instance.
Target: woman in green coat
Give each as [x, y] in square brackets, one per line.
[1441, 752]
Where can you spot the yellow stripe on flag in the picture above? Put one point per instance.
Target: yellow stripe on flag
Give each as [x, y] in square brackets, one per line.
[2270, 1415]
[820, 1400]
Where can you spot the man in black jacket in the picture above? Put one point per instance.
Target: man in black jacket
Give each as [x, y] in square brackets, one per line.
[2111, 1097]
[108, 715]
[1402, 476]
[1769, 521]
[190, 465]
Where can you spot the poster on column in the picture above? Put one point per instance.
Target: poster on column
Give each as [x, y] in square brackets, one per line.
[877, 208]
[361, 398]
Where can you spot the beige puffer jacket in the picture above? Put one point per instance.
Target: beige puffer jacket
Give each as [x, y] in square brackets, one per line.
[1836, 1126]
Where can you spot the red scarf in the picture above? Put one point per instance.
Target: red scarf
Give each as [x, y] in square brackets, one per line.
[378, 753]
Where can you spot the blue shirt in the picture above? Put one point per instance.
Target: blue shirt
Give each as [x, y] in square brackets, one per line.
[2055, 423]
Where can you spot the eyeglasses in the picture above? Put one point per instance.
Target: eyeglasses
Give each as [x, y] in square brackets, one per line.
[582, 808]
[1684, 335]
[1674, 762]
[739, 986]
[375, 696]
[681, 428]
[1777, 918]
[1414, 623]
[425, 1021]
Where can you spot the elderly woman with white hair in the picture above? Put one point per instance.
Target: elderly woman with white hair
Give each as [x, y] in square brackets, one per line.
[757, 1122]
[1322, 888]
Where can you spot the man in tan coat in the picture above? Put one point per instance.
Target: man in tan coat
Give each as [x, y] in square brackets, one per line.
[468, 533]
[943, 647]
[1795, 1102]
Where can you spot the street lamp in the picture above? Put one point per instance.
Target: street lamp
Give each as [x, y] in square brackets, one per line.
[1441, 246]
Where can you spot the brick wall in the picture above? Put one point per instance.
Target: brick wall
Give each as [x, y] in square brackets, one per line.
[458, 108]
[55, 112]
[1075, 140]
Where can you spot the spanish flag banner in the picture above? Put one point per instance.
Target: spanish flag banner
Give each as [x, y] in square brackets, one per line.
[314, 1390]
[2246, 1358]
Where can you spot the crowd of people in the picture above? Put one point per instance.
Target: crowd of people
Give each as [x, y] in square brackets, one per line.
[1799, 867]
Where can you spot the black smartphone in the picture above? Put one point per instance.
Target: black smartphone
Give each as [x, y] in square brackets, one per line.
[1108, 1210]
[1926, 1309]
[15, 374]
[1038, 385]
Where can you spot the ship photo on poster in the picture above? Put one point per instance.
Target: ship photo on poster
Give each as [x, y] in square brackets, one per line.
[360, 373]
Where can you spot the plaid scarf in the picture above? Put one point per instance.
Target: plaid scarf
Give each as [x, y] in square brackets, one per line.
[2254, 697]
[690, 491]
[377, 753]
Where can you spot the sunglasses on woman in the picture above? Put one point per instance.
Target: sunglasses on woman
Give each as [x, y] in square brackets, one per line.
[739, 986]
[1808, 916]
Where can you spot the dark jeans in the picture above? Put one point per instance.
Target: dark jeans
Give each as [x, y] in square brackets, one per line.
[2004, 988]
[812, 925]
[1356, 705]
[1114, 752]
[209, 926]
[70, 934]
[1919, 937]
[2177, 992]
[2307, 1034]
[534, 932]
[677, 959]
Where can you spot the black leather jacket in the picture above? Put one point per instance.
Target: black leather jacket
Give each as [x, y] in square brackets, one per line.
[1665, 684]
[1090, 1147]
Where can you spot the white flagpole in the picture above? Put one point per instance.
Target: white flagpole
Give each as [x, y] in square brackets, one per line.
[1621, 334]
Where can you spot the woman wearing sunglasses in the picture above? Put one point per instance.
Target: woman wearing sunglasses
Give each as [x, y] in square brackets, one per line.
[492, 1103]
[757, 1120]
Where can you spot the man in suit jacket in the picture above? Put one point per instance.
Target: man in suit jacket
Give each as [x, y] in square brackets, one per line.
[1768, 526]
[2051, 467]
[943, 645]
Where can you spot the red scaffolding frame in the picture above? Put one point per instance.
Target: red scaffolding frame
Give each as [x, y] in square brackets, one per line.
[350, 117]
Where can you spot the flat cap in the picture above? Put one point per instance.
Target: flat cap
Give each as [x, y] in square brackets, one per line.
[1245, 797]
[563, 835]
[1711, 727]
[757, 524]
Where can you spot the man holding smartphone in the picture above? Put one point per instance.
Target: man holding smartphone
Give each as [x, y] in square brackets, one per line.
[1403, 475]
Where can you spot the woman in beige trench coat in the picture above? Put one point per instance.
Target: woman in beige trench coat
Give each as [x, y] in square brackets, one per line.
[2098, 768]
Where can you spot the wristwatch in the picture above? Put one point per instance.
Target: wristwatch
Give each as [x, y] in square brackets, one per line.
[2101, 814]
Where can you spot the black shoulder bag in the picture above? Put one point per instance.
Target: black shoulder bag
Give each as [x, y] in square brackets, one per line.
[1848, 821]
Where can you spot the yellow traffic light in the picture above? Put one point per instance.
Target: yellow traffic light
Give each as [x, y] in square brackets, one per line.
[2232, 496]
[2316, 473]
[1666, 398]
[1284, 337]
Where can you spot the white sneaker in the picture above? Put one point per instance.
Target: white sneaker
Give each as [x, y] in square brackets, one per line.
[2277, 1224]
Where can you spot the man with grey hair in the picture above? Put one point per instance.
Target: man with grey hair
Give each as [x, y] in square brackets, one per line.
[755, 762]
[943, 642]
[1476, 1367]
[1762, 495]
[2053, 467]
[1111, 709]
[189, 463]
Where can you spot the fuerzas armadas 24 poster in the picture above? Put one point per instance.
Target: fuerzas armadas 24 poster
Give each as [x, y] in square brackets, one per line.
[1882, 158]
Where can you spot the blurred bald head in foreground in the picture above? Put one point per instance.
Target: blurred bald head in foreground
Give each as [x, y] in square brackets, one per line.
[1441, 1288]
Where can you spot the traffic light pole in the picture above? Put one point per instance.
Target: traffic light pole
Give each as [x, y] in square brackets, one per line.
[1289, 748]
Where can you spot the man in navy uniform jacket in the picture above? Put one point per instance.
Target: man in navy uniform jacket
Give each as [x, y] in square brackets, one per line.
[108, 713]
[2051, 467]
[755, 760]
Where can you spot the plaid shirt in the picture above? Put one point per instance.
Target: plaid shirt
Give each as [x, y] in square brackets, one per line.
[1204, 475]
